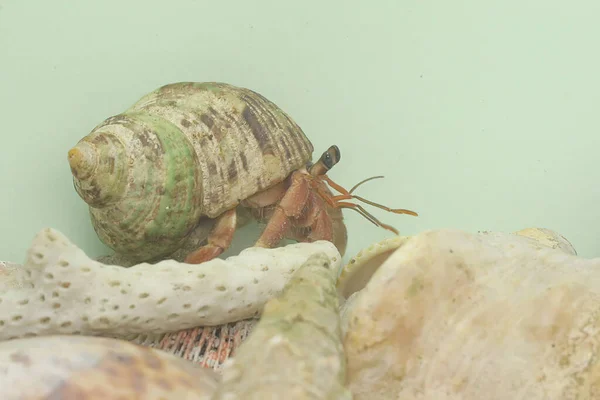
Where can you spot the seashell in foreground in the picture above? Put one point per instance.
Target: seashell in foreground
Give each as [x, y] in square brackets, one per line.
[451, 315]
[93, 368]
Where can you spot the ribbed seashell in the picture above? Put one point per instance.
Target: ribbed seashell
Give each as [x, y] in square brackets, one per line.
[182, 152]
[205, 346]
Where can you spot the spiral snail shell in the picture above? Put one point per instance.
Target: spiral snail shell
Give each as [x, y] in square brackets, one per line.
[182, 152]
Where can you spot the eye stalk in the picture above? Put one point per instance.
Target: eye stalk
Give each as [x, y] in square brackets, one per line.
[331, 157]
[319, 170]
[327, 161]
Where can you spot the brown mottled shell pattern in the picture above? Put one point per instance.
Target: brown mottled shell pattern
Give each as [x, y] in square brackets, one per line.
[244, 143]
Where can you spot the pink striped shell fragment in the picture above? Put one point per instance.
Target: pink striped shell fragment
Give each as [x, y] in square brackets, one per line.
[208, 346]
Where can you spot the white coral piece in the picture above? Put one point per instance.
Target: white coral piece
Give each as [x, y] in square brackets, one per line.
[60, 290]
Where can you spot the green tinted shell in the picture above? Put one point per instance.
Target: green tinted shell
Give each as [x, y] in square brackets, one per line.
[182, 152]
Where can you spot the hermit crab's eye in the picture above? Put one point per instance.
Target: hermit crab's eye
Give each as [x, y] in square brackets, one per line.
[327, 160]
[330, 157]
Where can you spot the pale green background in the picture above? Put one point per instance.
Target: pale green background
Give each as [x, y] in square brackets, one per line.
[482, 115]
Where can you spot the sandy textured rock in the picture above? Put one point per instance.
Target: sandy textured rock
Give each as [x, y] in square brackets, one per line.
[59, 289]
[452, 315]
[295, 351]
[92, 368]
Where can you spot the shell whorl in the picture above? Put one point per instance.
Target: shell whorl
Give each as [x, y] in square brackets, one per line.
[83, 160]
[182, 152]
[97, 170]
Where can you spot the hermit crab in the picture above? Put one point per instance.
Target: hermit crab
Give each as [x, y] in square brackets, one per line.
[189, 151]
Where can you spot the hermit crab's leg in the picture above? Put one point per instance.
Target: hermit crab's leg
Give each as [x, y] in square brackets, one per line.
[319, 221]
[219, 240]
[346, 195]
[334, 202]
[322, 225]
[311, 211]
[358, 208]
[291, 206]
[316, 218]
[364, 181]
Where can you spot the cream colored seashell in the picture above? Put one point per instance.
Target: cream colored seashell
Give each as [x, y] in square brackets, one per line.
[457, 316]
[549, 238]
[359, 269]
[60, 290]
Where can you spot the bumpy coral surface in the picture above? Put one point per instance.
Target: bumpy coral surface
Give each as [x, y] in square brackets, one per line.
[60, 290]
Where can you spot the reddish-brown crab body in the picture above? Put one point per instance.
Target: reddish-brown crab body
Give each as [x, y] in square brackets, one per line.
[294, 208]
